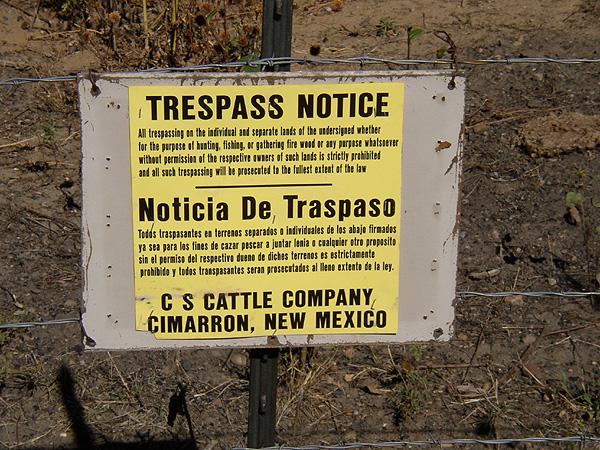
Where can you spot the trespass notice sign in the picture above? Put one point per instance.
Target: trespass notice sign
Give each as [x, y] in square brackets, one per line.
[244, 210]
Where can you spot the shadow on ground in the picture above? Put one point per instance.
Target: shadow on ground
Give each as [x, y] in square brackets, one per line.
[84, 437]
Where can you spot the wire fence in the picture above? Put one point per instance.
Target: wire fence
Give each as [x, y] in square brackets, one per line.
[364, 61]
[441, 443]
[7, 326]
[469, 294]
[354, 60]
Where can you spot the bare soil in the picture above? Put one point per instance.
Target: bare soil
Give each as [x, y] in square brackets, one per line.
[530, 221]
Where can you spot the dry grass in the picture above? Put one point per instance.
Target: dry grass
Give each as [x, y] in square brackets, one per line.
[166, 32]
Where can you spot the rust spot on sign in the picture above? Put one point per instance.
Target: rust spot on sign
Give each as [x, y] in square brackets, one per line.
[442, 145]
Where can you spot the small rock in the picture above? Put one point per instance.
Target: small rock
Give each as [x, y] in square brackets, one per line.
[574, 216]
[538, 76]
[349, 352]
[515, 300]
[484, 274]
[468, 390]
[239, 359]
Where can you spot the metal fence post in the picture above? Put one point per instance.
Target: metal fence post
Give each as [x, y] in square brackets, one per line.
[277, 32]
[263, 397]
[276, 42]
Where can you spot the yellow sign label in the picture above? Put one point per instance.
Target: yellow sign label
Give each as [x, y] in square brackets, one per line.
[266, 210]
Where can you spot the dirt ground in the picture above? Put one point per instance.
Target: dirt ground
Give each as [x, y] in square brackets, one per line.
[530, 221]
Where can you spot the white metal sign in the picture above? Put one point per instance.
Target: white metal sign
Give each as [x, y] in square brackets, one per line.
[235, 210]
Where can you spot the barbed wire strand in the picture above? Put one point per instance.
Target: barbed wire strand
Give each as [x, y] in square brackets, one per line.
[440, 443]
[469, 294]
[459, 295]
[360, 60]
[5, 326]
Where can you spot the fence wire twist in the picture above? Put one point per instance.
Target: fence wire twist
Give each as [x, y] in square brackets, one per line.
[441, 443]
[354, 60]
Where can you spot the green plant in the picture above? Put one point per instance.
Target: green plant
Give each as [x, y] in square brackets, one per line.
[416, 352]
[386, 27]
[586, 396]
[573, 199]
[412, 33]
[48, 131]
[408, 397]
[68, 6]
